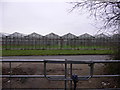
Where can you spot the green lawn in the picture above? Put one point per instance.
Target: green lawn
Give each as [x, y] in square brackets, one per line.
[54, 52]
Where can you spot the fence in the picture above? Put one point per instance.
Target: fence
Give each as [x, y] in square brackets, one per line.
[72, 78]
[44, 42]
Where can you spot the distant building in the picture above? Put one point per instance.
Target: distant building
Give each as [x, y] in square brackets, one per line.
[102, 39]
[101, 36]
[14, 40]
[52, 40]
[85, 36]
[115, 39]
[2, 35]
[69, 36]
[68, 40]
[34, 35]
[85, 39]
[115, 36]
[52, 36]
[34, 40]
[2, 39]
[16, 34]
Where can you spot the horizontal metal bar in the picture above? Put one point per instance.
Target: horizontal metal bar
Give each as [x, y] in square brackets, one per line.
[54, 76]
[31, 76]
[22, 60]
[60, 89]
[82, 77]
[68, 61]
[92, 61]
[98, 76]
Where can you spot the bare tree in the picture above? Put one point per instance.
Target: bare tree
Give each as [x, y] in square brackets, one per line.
[106, 11]
[109, 13]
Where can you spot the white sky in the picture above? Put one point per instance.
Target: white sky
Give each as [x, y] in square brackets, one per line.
[43, 18]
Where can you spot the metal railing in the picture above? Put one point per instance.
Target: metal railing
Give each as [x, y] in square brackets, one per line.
[73, 78]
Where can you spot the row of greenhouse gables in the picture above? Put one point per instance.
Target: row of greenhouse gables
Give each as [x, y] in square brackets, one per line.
[47, 43]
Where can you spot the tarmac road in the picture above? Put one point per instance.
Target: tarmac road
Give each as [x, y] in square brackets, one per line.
[73, 57]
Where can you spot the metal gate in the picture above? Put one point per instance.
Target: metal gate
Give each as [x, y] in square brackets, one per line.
[72, 78]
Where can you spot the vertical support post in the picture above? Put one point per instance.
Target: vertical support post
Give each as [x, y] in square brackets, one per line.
[70, 76]
[10, 74]
[44, 69]
[91, 69]
[65, 74]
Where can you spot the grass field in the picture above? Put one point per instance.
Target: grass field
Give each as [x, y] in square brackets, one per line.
[53, 52]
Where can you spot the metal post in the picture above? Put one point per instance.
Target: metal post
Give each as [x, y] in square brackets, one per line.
[71, 76]
[65, 74]
[45, 69]
[10, 74]
[91, 69]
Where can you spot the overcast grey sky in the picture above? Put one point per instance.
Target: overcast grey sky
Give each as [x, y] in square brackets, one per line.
[43, 18]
